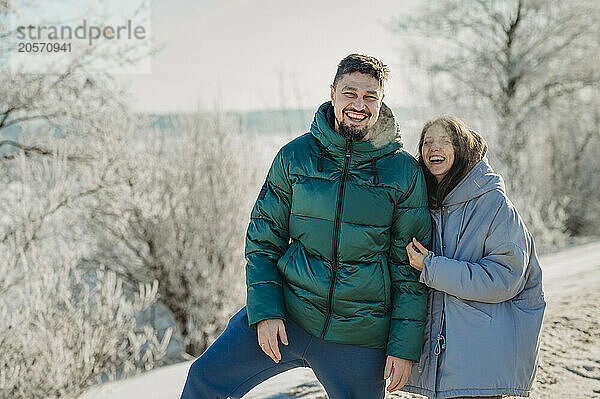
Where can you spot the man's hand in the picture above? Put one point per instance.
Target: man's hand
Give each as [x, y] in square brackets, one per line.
[267, 337]
[399, 369]
[416, 254]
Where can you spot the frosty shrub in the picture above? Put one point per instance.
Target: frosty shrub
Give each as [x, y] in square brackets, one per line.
[61, 334]
[544, 215]
[181, 218]
[62, 328]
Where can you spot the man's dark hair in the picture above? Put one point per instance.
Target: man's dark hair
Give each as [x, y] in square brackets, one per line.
[363, 64]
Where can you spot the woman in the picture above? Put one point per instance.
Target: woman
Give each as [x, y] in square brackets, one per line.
[486, 303]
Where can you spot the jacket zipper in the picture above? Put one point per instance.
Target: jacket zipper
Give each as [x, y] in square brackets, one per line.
[440, 344]
[336, 235]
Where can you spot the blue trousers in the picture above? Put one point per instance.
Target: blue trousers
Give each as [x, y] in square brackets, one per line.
[234, 364]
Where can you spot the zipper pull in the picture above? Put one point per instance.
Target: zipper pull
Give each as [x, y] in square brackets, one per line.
[440, 345]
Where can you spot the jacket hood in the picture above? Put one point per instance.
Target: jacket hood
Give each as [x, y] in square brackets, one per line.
[384, 135]
[480, 180]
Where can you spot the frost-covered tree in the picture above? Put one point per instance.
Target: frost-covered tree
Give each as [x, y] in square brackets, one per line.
[63, 327]
[515, 70]
[516, 56]
[109, 194]
[571, 151]
[64, 91]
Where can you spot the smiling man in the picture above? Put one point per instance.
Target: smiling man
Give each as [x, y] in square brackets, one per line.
[356, 98]
[327, 273]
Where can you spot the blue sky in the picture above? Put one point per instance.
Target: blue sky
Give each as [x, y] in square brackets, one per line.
[261, 54]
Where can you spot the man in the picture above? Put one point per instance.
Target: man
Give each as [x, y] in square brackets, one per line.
[327, 272]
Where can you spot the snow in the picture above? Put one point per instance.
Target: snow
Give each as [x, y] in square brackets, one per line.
[167, 383]
[567, 275]
[581, 260]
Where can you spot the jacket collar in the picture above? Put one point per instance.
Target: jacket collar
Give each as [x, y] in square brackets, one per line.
[384, 135]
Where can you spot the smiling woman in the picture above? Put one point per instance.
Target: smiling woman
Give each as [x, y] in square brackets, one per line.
[448, 149]
[438, 152]
[486, 303]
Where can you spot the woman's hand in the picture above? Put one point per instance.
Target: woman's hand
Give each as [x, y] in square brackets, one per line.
[416, 254]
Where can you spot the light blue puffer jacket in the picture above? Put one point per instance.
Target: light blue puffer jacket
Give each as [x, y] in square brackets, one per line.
[486, 302]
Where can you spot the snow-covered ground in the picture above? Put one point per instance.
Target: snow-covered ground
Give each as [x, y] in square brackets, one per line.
[569, 353]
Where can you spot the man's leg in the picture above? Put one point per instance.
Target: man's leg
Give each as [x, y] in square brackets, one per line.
[348, 371]
[234, 363]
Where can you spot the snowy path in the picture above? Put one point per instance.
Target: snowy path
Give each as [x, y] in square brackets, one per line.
[579, 261]
[569, 270]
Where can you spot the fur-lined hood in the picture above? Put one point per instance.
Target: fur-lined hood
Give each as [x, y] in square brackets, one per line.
[383, 137]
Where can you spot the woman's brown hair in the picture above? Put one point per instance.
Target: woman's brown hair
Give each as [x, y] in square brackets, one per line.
[469, 148]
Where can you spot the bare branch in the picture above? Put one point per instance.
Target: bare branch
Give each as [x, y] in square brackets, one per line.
[36, 150]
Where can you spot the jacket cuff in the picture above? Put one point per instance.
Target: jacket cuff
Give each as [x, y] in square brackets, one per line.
[428, 272]
[406, 339]
[264, 301]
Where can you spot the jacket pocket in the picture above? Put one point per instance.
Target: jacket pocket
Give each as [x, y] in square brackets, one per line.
[469, 308]
[479, 348]
[529, 303]
[285, 259]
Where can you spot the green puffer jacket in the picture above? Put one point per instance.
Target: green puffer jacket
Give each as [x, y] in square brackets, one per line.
[327, 236]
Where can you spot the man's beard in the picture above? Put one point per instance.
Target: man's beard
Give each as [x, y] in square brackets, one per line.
[352, 133]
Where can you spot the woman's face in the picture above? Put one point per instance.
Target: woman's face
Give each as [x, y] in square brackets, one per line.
[437, 151]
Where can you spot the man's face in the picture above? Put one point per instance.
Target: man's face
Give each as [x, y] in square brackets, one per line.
[356, 100]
